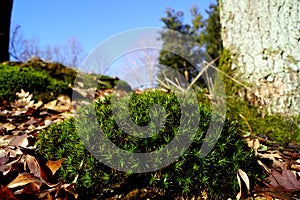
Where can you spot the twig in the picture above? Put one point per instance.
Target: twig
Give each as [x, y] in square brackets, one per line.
[163, 83]
[202, 71]
[76, 177]
[174, 84]
[247, 123]
[171, 82]
[233, 79]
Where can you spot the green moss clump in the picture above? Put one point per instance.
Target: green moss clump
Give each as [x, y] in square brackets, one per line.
[45, 80]
[39, 83]
[190, 174]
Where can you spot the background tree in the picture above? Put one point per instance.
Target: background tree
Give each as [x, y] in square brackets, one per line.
[174, 21]
[264, 38]
[73, 52]
[5, 19]
[210, 37]
[22, 49]
[205, 31]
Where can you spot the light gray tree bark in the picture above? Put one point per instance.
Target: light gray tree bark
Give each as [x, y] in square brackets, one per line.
[264, 37]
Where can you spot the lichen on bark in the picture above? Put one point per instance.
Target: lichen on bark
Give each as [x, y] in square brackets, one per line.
[264, 36]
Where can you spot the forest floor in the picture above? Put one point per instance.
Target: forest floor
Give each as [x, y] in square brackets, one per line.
[26, 175]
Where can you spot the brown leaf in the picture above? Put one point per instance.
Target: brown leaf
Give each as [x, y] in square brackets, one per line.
[24, 179]
[19, 112]
[14, 152]
[275, 157]
[31, 121]
[286, 180]
[8, 126]
[51, 105]
[33, 165]
[64, 100]
[3, 160]
[55, 165]
[22, 94]
[63, 103]
[242, 176]
[5, 140]
[7, 194]
[45, 195]
[254, 144]
[37, 105]
[31, 188]
[264, 166]
[19, 141]
[295, 167]
[5, 169]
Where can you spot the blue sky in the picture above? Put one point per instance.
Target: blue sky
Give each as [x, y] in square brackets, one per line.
[92, 21]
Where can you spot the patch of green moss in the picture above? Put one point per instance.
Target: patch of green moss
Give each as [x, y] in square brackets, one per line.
[46, 80]
[190, 174]
[40, 83]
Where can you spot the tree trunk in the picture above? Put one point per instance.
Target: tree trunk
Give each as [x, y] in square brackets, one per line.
[264, 37]
[5, 19]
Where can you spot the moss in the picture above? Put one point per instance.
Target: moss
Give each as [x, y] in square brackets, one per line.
[46, 80]
[190, 174]
[39, 83]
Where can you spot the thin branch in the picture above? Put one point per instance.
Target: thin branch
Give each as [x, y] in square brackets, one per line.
[12, 43]
[174, 84]
[233, 79]
[246, 121]
[202, 71]
[163, 83]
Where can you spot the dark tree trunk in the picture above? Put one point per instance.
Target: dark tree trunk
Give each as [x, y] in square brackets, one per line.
[5, 19]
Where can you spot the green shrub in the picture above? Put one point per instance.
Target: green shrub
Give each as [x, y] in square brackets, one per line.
[39, 83]
[190, 174]
[55, 70]
[47, 80]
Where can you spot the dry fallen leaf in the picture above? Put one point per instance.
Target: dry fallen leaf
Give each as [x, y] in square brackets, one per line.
[295, 167]
[275, 157]
[8, 126]
[7, 194]
[285, 180]
[6, 139]
[5, 169]
[22, 94]
[51, 105]
[264, 166]
[24, 179]
[33, 165]
[31, 188]
[55, 165]
[62, 104]
[37, 105]
[21, 141]
[254, 144]
[242, 176]
[3, 160]
[15, 149]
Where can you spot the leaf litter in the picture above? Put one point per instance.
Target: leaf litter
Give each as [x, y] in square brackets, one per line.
[281, 164]
[23, 174]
